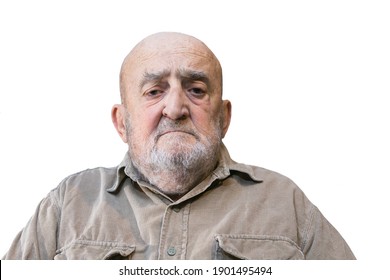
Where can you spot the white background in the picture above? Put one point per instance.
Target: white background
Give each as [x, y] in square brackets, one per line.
[308, 80]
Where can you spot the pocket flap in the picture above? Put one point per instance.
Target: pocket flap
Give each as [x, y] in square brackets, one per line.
[257, 247]
[95, 250]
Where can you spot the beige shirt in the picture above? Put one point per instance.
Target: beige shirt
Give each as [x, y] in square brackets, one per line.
[238, 212]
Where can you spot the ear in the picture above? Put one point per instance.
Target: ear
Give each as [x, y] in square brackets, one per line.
[227, 115]
[118, 116]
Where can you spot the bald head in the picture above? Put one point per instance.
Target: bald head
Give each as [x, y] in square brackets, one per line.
[166, 49]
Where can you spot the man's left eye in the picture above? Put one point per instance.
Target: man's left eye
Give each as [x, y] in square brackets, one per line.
[197, 91]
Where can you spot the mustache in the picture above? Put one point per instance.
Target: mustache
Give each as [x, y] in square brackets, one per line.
[165, 127]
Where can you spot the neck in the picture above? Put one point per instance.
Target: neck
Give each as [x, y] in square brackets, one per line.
[176, 183]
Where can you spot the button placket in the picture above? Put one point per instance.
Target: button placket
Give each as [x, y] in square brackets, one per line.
[173, 238]
[169, 237]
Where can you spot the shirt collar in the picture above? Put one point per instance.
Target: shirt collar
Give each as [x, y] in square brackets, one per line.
[225, 168]
[230, 166]
[120, 174]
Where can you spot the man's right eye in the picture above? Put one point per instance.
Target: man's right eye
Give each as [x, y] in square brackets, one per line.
[154, 92]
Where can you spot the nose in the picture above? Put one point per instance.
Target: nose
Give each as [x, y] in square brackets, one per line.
[176, 105]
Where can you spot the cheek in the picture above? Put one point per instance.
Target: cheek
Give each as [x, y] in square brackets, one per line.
[205, 120]
[144, 123]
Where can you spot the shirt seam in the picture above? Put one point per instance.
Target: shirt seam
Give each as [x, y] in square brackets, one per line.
[308, 227]
[56, 202]
[185, 221]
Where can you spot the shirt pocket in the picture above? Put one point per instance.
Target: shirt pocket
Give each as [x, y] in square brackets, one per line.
[95, 250]
[256, 247]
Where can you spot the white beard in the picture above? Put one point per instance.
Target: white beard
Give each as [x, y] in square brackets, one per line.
[179, 165]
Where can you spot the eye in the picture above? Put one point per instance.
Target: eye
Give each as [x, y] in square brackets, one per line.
[197, 91]
[154, 92]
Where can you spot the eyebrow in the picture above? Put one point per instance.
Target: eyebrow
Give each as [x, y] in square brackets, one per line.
[153, 77]
[185, 75]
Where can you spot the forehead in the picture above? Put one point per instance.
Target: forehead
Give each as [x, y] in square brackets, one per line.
[169, 52]
[172, 59]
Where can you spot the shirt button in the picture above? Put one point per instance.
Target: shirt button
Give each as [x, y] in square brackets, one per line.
[171, 251]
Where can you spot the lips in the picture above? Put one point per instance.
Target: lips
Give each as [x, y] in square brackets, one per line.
[174, 131]
[167, 127]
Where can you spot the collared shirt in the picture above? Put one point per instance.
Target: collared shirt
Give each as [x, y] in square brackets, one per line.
[237, 212]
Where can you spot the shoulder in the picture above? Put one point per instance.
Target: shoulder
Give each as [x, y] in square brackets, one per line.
[89, 182]
[94, 175]
[261, 175]
[249, 172]
[267, 184]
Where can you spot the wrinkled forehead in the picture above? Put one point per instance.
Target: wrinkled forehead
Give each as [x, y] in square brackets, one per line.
[170, 51]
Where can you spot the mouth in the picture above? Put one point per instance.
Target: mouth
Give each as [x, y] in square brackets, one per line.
[175, 131]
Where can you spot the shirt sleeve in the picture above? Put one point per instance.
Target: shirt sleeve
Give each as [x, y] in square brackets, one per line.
[38, 239]
[323, 241]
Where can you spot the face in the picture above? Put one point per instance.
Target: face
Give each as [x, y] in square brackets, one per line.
[173, 114]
